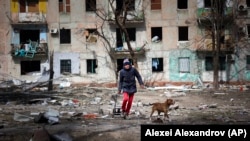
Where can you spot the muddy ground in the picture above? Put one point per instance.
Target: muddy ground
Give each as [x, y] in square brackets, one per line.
[90, 118]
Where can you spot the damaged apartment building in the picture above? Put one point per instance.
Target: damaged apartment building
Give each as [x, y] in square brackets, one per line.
[167, 37]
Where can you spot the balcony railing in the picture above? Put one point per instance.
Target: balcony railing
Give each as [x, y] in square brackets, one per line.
[28, 17]
[206, 12]
[30, 50]
[132, 16]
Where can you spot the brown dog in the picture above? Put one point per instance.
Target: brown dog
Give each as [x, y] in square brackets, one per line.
[162, 107]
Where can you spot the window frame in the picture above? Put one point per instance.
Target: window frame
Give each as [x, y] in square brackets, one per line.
[64, 6]
[154, 32]
[180, 4]
[65, 68]
[247, 62]
[25, 6]
[65, 39]
[181, 61]
[183, 33]
[88, 7]
[89, 32]
[209, 61]
[156, 5]
[160, 65]
[93, 63]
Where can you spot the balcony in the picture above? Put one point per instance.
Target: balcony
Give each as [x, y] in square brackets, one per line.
[31, 50]
[207, 46]
[204, 14]
[132, 17]
[29, 18]
[121, 51]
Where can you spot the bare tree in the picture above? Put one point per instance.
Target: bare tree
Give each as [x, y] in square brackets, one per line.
[217, 21]
[120, 20]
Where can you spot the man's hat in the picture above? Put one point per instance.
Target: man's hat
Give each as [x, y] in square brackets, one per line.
[126, 62]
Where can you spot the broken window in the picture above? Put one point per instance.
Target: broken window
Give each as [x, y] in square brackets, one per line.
[91, 35]
[207, 4]
[65, 66]
[182, 4]
[184, 65]
[155, 4]
[64, 6]
[26, 35]
[209, 63]
[129, 5]
[65, 36]
[90, 5]
[29, 6]
[91, 65]
[120, 36]
[30, 66]
[183, 33]
[248, 62]
[156, 34]
[157, 64]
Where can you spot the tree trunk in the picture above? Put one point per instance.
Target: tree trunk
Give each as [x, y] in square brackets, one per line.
[215, 58]
[51, 73]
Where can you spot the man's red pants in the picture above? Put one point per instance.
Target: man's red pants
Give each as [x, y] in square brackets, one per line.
[127, 102]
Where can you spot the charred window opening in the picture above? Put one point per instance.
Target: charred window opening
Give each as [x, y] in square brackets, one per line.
[157, 64]
[65, 36]
[91, 65]
[184, 65]
[64, 6]
[30, 66]
[26, 35]
[90, 5]
[156, 34]
[182, 4]
[207, 3]
[155, 4]
[183, 33]
[65, 66]
[29, 6]
[129, 5]
[209, 63]
[91, 35]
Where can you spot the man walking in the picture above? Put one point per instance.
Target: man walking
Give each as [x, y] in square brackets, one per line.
[127, 85]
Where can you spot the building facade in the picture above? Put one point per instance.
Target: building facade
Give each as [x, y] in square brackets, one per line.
[175, 48]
